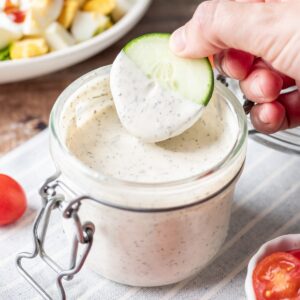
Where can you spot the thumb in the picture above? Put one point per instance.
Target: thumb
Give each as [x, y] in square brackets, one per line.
[218, 25]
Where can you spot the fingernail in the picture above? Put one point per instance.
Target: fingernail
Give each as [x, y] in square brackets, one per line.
[177, 41]
[263, 116]
[256, 88]
[221, 64]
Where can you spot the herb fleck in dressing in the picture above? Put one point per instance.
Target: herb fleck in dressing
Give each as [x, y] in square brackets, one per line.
[99, 140]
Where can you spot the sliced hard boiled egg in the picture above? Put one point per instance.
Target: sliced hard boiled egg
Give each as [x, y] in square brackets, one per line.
[9, 31]
[104, 7]
[46, 11]
[87, 24]
[40, 14]
[121, 8]
[58, 37]
[28, 48]
[24, 5]
[68, 12]
[30, 25]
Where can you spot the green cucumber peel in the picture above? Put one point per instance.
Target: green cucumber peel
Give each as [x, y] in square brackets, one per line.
[191, 78]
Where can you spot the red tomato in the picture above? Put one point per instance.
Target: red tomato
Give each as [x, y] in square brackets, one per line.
[295, 252]
[12, 200]
[277, 277]
[17, 16]
[14, 12]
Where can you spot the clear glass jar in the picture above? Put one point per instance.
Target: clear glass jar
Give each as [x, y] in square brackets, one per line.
[135, 242]
[136, 234]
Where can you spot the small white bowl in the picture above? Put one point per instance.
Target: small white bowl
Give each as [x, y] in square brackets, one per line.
[281, 243]
[16, 70]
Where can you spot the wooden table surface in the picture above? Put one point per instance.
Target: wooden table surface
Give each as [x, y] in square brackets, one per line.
[25, 106]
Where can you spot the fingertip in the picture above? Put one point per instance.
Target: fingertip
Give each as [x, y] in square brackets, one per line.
[177, 40]
[235, 63]
[262, 85]
[271, 84]
[195, 39]
[268, 117]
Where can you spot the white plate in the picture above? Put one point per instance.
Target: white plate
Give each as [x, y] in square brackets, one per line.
[281, 243]
[16, 70]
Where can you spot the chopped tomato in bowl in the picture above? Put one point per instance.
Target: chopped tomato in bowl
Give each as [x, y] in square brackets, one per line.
[274, 271]
[277, 276]
[295, 252]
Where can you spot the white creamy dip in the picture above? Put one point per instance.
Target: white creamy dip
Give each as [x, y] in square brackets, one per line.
[104, 145]
[147, 109]
[148, 246]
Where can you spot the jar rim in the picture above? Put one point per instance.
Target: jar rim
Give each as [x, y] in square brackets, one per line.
[55, 133]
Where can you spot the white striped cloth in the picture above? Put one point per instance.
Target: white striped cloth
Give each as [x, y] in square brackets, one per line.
[267, 204]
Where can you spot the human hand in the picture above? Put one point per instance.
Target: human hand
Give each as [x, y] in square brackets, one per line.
[267, 36]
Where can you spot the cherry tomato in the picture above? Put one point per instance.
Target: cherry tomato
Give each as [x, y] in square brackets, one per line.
[17, 16]
[14, 12]
[295, 252]
[277, 277]
[12, 200]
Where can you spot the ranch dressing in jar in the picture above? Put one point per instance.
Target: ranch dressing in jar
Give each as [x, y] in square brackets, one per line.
[163, 208]
[105, 146]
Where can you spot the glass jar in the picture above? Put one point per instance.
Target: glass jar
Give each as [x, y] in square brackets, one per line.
[142, 234]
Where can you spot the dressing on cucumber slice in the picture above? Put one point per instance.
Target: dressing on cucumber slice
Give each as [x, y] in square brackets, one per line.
[191, 78]
[157, 94]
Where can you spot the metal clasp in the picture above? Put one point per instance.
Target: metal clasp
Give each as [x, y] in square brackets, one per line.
[83, 236]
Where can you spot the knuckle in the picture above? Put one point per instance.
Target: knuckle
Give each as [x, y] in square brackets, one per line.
[208, 16]
[204, 14]
[203, 8]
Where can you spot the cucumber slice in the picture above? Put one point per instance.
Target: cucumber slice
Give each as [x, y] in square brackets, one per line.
[191, 78]
[157, 94]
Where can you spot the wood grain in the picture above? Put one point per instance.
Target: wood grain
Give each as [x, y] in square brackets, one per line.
[25, 106]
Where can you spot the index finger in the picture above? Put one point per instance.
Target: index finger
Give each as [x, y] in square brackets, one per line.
[220, 25]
